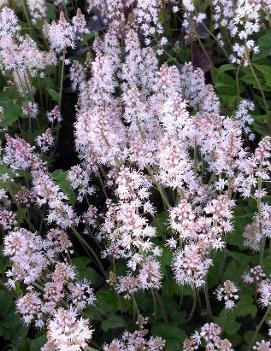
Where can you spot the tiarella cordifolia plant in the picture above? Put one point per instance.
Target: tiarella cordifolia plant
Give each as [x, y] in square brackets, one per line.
[240, 20]
[239, 31]
[159, 226]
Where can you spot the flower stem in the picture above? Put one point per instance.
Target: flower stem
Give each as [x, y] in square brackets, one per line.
[61, 79]
[160, 302]
[207, 299]
[258, 83]
[89, 248]
[193, 305]
[154, 304]
[258, 328]
[259, 207]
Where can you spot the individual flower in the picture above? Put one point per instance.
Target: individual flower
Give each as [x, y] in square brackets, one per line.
[81, 295]
[54, 115]
[208, 336]
[128, 285]
[262, 346]
[264, 291]
[134, 341]
[60, 34]
[244, 118]
[190, 266]
[9, 23]
[31, 109]
[227, 293]
[150, 275]
[18, 154]
[29, 307]
[45, 141]
[68, 332]
[255, 275]
[37, 9]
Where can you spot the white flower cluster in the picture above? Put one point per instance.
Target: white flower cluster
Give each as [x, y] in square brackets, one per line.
[208, 336]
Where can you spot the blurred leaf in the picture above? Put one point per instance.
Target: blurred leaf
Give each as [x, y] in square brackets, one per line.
[222, 69]
[109, 300]
[213, 273]
[160, 222]
[113, 321]
[165, 259]
[262, 125]
[12, 112]
[54, 94]
[170, 332]
[226, 321]
[51, 11]
[25, 345]
[85, 272]
[202, 29]
[38, 342]
[265, 71]
[267, 264]
[248, 335]
[235, 269]
[225, 86]
[60, 177]
[264, 44]
[202, 58]
[245, 307]
[2, 82]
[81, 262]
[248, 78]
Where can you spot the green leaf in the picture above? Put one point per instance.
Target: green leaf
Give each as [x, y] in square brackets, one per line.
[223, 69]
[88, 37]
[242, 216]
[213, 274]
[85, 272]
[160, 222]
[248, 335]
[51, 11]
[12, 111]
[113, 321]
[267, 264]
[20, 214]
[25, 345]
[232, 327]
[60, 177]
[109, 301]
[262, 125]
[4, 262]
[235, 269]
[223, 81]
[54, 94]
[165, 259]
[245, 307]
[81, 262]
[248, 78]
[9, 93]
[15, 330]
[38, 342]
[266, 72]
[228, 100]
[226, 321]
[264, 44]
[169, 332]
